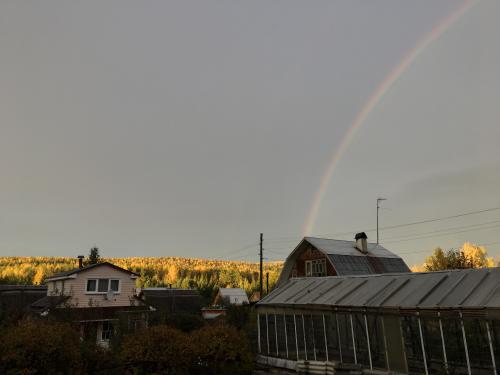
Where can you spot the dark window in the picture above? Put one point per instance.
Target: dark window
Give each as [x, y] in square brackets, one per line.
[107, 331]
[103, 285]
[91, 285]
[115, 285]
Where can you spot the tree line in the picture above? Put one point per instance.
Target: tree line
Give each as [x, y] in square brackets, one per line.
[203, 274]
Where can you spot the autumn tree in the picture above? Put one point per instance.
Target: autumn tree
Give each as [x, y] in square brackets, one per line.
[157, 350]
[468, 256]
[39, 347]
[221, 349]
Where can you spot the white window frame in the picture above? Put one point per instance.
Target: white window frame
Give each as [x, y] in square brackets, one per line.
[106, 335]
[308, 268]
[97, 279]
[318, 268]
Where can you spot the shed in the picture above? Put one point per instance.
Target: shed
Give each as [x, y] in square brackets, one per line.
[231, 296]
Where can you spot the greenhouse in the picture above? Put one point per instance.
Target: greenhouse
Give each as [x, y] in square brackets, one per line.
[413, 323]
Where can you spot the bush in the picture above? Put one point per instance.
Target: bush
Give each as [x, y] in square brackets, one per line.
[159, 349]
[221, 349]
[39, 347]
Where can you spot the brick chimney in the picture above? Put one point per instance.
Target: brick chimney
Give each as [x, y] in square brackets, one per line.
[80, 261]
[361, 242]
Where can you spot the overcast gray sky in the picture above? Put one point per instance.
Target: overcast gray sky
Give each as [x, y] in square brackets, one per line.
[186, 128]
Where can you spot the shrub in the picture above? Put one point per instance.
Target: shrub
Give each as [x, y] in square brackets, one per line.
[221, 349]
[159, 349]
[40, 347]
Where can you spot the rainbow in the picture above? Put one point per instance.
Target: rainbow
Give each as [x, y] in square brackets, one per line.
[372, 102]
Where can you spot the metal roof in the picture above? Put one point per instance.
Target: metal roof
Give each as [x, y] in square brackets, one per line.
[469, 288]
[346, 259]
[341, 247]
[238, 292]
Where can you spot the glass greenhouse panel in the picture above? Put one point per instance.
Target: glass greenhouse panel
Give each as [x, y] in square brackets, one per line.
[346, 343]
[290, 336]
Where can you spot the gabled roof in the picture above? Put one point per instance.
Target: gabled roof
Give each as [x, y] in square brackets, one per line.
[346, 259]
[341, 247]
[232, 296]
[469, 288]
[78, 270]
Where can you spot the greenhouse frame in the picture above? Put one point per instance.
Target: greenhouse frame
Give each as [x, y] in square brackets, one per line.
[411, 323]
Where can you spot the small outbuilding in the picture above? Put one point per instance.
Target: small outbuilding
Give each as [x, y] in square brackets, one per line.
[231, 296]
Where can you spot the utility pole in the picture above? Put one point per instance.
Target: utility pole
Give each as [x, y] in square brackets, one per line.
[378, 207]
[267, 282]
[261, 266]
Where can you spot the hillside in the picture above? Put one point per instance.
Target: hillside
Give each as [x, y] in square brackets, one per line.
[203, 274]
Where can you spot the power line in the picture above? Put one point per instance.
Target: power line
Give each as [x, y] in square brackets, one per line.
[233, 252]
[444, 234]
[440, 218]
[443, 230]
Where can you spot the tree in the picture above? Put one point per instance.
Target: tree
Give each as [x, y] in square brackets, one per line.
[157, 350]
[468, 256]
[221, 349]
[39, 347]
[94, 256]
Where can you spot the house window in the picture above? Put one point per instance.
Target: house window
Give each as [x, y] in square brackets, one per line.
[103, 285]
[308, 268]
[91, 285]
[107, 331]
[316, 268]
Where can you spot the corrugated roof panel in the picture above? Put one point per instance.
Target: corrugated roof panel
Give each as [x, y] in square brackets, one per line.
[484, 292]
[445, 289]
[466, 286]
[414, 291]
[393, 265]
[363, 296]
[351, 265]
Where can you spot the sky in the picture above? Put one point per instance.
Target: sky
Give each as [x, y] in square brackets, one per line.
[186, 128]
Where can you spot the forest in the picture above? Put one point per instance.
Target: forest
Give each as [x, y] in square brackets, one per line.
[203, 274]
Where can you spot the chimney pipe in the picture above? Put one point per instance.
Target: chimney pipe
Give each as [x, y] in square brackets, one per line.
[361, 242]
[80, 261]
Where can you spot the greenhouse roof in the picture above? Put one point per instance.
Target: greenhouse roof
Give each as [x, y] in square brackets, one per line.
[469, 288]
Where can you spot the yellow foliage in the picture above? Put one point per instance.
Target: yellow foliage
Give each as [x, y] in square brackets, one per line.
[161, 271]
[478, 254]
